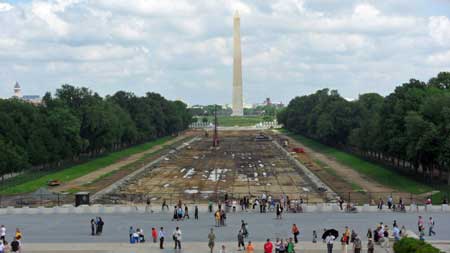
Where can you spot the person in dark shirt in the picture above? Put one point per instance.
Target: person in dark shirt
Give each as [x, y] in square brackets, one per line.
[15, 246]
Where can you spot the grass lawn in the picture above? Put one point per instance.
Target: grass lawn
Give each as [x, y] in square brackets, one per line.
[379, 173]
[31, 181]
[236, 121]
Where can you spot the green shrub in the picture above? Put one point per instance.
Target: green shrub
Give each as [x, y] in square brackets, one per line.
[411, 245]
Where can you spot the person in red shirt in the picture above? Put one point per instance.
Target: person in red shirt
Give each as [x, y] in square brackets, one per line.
[268, 246]
[154, 235]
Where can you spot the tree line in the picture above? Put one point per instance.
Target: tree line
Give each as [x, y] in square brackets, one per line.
[78, 122]
[408, 130]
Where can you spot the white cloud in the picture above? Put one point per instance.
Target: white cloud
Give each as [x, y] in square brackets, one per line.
[183, 48]
[440, 29]
[5, 7]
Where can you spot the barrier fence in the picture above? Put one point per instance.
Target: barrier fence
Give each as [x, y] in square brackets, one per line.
[171, 199]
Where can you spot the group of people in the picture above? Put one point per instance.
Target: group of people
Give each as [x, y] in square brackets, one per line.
[220, 217]
[180, 213]
[138, 236]
[15, 246]
[97, 226]
[421, 227]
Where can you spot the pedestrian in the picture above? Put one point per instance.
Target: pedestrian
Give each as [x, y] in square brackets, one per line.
[18, 234]
[277, 245]
[154, 235]
[175, 213]
[177, 238]
[268, 246]
[100, 225]
[369, 234]
[162, 235]
[244, 227]
[344, 243]
[346, 236]
[92, 227]
[148, 207]
[295, 232]
[196, 213]
[278, 211]
[164, 205]
[3, 233]
[250, 248]
[217, 217]
[290, 246]
[130, 232]
[223, 249]
[357, 245]
[329, 240]
[396, 233]
[240, 240]
[314, 240]
[211, 240]
[389, 202]
[431, 227]
[15, 246]
[210, 206]
[186, 212]
[420, 224]
[370, 246]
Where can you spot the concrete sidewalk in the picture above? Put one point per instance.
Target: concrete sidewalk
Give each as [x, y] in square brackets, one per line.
[189, 247]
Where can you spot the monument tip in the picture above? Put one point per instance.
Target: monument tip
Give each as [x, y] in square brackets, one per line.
[236, 14]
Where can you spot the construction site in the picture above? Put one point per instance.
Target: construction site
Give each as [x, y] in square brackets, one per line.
[239, 163]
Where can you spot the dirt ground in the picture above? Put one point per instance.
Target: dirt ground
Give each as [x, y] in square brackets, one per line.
[82, 183]
[342, 177]
[241, 166]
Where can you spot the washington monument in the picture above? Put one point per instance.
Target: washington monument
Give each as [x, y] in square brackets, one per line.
[237, 68]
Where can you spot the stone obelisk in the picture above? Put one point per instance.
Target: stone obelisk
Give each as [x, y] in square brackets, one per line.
[237, 68]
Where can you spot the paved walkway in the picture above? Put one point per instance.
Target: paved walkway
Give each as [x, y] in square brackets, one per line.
[154, 248]
[75, 228]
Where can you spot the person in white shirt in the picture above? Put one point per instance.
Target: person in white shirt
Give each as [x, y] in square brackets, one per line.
[3, 233]
[161, 235]
[177, 237]
[329, 240]
[396, 233]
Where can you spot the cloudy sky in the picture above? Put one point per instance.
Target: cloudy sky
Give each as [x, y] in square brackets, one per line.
[182, 49]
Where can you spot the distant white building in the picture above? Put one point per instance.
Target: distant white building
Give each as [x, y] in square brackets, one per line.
[34, 99]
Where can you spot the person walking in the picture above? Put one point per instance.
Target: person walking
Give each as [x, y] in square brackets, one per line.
[223, 249]
[295, 232]
[177, 238]
[244, 228]
[154, 235]
[196, 213]
[431, 227]
[370, 246]
[164, 205]
[314, 235]
[357, 245]
[92, 227]
[217, 218]
[268, 246]
[211, 240]
[161, 235]
[100, 225]
[420, 224]
[3, 233]
[186, 212]
[329, 240]
[240, 238]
